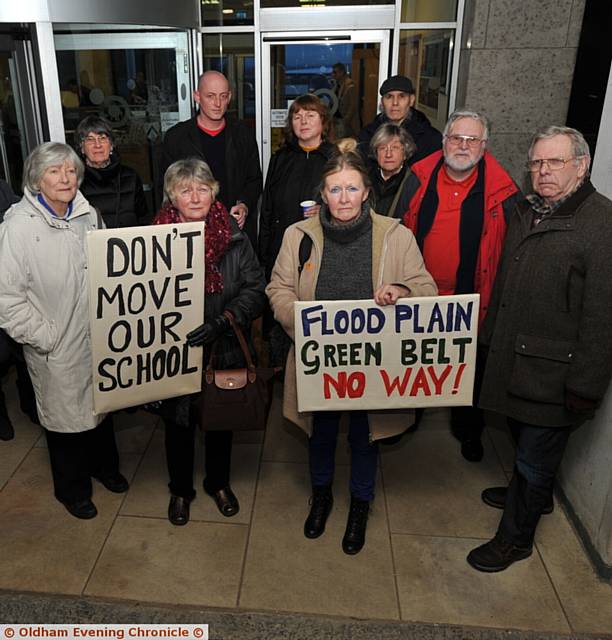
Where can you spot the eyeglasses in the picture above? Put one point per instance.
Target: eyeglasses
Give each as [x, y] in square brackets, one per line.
[553, 164]
[472, 141]
[102, 138]
[393, 148]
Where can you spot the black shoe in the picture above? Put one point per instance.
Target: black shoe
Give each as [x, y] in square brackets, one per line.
[472, 450]
[321, 504]
[226, 501]
[114, 482]
[496, 497]
[6, 428]
[496, 555]
[83, 509]
[178, 510]
[354, 536]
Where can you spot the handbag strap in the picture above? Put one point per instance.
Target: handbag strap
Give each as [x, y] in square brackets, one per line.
[241, 341]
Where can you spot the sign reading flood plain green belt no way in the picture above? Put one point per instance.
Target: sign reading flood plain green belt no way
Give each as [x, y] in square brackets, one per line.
[354, 354]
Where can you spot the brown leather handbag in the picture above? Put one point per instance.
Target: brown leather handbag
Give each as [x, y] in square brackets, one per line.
[236, 399]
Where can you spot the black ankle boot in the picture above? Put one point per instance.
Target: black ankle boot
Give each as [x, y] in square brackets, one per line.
[354, 536]
[320, 505]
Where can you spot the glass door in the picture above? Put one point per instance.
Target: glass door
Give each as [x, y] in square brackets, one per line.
[20, 124]
[140, 82]
[302, 63]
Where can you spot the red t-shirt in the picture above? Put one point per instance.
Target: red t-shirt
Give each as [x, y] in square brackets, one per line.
[441, 250]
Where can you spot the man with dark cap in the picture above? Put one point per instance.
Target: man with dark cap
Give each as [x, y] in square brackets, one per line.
[397, 104]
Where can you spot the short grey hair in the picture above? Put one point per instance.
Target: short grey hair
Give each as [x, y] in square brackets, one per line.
[188, 170]
[93, 124]
[45, 155]
[465, 113]
[580, 148]
[386, 132]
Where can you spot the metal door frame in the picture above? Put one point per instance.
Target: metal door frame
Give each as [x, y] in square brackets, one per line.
[268, 39]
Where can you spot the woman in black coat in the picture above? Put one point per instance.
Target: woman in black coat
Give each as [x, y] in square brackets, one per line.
[233, 281]
[114, 189]
[392, 181]
[293, 176]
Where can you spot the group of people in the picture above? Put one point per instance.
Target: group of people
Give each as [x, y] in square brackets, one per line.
[419, 212]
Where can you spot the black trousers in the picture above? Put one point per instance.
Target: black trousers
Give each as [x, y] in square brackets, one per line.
[180, 452]
[539, 451]
[76, 457]
[467, 423]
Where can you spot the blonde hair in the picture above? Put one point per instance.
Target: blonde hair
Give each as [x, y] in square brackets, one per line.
[188, 170]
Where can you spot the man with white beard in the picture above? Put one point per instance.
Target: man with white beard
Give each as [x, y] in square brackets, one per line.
[458, 214]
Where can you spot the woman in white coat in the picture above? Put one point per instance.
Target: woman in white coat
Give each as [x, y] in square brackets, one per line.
[44, 306]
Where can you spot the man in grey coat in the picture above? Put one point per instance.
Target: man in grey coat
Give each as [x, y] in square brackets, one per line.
[548, 333]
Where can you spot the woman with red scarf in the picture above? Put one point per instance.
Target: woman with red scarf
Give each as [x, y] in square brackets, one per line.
[234, 281]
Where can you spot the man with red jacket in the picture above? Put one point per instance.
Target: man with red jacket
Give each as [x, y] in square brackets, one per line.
[458, 214]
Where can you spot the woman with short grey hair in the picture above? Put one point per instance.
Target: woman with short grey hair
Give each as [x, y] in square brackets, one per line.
[391, 146]
[113, 188]
[44, 305]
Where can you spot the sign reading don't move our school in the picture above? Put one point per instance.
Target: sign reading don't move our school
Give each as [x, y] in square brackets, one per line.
[420, 352]
[146, 292]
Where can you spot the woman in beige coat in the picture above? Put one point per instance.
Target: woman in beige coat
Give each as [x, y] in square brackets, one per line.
[385, 264]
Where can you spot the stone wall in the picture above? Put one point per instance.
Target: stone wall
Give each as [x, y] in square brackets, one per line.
[517, 64]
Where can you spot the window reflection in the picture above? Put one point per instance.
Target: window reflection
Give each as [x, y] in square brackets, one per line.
[429, 11]
[226, 13]
[234, 56]
[425, 57]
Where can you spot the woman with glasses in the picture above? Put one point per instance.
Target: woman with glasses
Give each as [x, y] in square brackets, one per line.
[293, 176]
[114, 189]
[391, 146]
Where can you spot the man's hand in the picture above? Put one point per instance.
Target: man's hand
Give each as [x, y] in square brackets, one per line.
[390, 293]
[208, 332]
[579, 405]
[239, 212]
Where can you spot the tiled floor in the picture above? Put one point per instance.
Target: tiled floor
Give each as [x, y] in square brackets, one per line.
[426, 517]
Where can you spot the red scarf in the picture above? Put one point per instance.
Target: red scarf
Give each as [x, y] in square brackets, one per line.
[217, 235]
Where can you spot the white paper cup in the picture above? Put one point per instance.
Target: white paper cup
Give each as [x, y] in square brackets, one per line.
[306, 204]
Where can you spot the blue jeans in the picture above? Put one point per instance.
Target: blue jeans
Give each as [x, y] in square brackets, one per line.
[539, 451]
[364, 455]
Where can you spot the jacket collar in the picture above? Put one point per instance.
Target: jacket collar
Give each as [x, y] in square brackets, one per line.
[80, 207]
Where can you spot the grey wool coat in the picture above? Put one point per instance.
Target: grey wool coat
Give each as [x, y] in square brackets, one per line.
[548, 328]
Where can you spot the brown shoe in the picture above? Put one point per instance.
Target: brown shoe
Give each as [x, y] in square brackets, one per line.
[226, 501]
[178, 511]
[497, 555]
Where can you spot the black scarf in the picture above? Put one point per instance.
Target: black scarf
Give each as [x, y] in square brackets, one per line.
[470, 225]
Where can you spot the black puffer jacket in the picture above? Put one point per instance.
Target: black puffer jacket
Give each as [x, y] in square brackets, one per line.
[116, 191]
[427, 138]
[293, 176]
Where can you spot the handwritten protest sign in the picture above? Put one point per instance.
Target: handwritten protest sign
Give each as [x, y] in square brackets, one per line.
[146, 292]
[420, 352]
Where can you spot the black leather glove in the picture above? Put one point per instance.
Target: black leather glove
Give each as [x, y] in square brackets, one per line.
[208, 332]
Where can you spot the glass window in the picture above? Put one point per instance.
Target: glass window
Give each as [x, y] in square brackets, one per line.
[268, 4]
[307, 68]
[233, 54]
[429, 10]
[142, 90]
[224, 13]
[425, 57]
[13, 139]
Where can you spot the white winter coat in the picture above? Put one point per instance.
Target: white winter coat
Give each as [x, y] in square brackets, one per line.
[44, 306]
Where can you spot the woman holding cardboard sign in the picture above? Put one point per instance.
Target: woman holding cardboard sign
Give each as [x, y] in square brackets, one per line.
[233, 281]
[44, 306]
[385, 264]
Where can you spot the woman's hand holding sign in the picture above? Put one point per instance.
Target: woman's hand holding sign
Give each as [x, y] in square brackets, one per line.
[390, 294]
